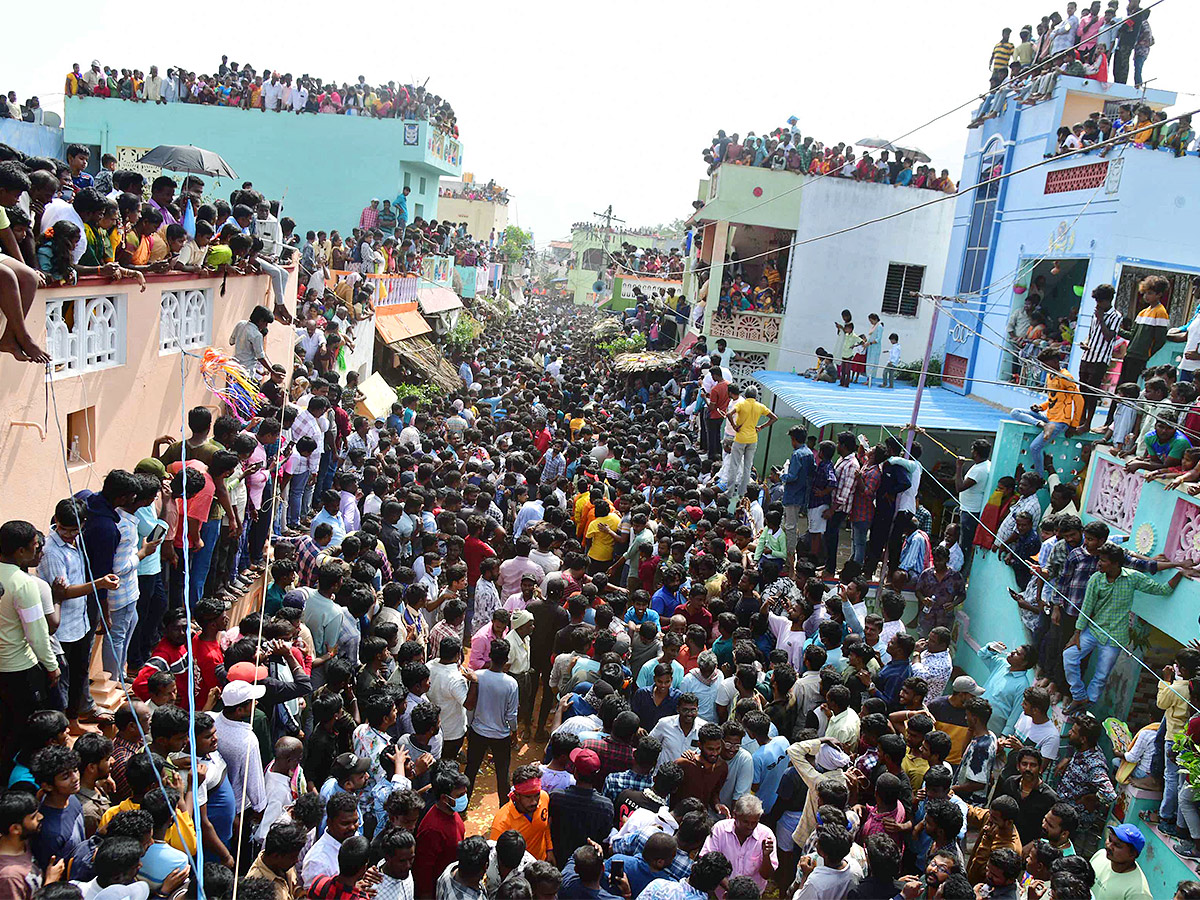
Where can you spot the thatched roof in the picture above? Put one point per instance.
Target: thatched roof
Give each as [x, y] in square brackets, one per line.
[427, 362]
[607, 329]
[645, 361]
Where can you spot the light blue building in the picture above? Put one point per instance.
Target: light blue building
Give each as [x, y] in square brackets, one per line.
[1080, 221]
[326, 167]
[1064, 228]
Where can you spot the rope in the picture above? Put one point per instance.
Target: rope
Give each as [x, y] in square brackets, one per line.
[129, 698]
[1091, 622]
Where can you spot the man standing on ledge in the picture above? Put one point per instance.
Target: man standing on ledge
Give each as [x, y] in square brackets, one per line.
[744, 416]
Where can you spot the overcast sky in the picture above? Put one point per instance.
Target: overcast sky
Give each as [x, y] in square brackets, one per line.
[575, 106]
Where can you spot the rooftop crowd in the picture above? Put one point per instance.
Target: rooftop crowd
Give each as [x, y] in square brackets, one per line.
[490, 192]
[785, 149]
[1094, 45]
[267, 90]
[706, 698]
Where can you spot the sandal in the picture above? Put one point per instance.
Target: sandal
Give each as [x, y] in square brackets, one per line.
[1149, 816]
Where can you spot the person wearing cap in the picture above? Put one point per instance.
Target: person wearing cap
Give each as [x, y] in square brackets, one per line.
[950, 715]
[238, 745]
[518, 658]
[580, 813]
[528, 813]
[349, 774]
[1118, 875]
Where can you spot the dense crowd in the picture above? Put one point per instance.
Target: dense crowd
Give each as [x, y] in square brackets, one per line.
[785, 149]
[489, 193]
[585, 569]
[269, 90]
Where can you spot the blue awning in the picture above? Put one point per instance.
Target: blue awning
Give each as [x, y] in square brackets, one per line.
[823, 403]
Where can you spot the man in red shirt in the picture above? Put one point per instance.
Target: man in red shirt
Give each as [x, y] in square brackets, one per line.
[213, 616]
[169, 656]
[718, 407]
[441, 831]
[541, 439]
[475, 549]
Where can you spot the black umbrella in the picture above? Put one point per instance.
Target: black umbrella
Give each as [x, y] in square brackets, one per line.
[189, 159]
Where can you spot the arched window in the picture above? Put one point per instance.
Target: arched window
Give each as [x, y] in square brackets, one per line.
[983, 211]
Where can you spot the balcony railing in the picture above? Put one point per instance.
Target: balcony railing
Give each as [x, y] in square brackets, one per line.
[761, 328]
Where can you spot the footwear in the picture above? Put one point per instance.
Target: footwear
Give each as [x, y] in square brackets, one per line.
[1168, 829]
[1186, 849]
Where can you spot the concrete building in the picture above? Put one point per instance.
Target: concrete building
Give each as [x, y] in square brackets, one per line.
[458, 203]
[589, 261]
[284, 155]
[1075, 223]
[755, 217]
[1057, 231]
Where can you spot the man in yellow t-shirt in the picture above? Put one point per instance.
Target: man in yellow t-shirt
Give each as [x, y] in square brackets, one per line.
[601, 534]
[744, 413]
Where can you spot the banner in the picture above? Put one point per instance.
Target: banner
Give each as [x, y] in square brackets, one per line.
[412, 134]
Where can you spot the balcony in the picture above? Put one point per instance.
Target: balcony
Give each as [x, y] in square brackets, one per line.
[756, 327]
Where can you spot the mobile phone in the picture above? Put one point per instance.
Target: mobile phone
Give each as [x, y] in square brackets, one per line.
[617, 868]
[157, 534]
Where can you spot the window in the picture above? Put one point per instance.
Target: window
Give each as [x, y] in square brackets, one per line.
[185, 320]
[81, 436]
[902, 280]
[983, 211]
[84, 334]
[407, 180]
[422, 184]
[592, 259]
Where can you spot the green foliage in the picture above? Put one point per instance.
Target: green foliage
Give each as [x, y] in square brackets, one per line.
[465, 330]
[631, 344]
[515, 242]
[911, 372]
[425, 393]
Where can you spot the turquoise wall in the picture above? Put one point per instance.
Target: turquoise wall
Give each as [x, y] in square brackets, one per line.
[329, 166]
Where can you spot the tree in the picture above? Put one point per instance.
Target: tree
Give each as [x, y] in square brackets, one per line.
[515, 243]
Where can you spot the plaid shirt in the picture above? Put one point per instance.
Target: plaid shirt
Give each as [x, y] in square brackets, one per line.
[626, 780]
[307, 555]
[863, 507]
[843, 494]
[306, 425]
[369, 218]
[1107, 604]
[442, 629]
[631, 845]
[122, 752]
[330, 887]
[1078, 569]
[1087, 773]
[615, 756]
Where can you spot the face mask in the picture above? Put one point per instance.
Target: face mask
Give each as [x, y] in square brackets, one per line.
[460, 805]
[436, 572]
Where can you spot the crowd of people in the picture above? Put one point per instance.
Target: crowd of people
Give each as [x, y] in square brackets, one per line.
[268, 90]
[785, 149]
[582, 568]
[489, 193]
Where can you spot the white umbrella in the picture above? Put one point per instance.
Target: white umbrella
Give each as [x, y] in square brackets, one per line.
[910, 152]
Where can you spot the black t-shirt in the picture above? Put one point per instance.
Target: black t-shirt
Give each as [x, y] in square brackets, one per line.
[630, 801]
[1033, 808]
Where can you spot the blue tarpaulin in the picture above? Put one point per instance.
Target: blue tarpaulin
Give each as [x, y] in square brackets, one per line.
[822, 403]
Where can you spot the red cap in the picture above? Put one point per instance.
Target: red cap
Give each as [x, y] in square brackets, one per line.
[586, 762]
[247, 671]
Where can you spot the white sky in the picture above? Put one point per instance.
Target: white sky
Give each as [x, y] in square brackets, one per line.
[575, 106]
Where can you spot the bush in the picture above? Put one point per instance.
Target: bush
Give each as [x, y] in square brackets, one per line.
[465, 330]
[631, 344]
[425, 393]
[911, 372]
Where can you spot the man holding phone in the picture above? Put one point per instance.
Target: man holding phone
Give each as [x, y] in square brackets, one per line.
[657, 853]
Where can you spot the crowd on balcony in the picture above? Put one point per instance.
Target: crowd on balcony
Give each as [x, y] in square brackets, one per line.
[645, 260]
[489, 193]
[593, 228]
[785, 149]
[268, 90]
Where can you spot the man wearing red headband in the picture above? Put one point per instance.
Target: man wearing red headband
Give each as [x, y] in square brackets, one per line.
[527, 811]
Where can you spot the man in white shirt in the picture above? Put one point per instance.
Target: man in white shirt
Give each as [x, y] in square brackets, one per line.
[237, 743]
[679, 733]
[341, 823]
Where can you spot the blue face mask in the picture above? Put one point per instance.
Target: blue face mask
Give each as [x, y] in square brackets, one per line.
[460, 805]
[436, 572]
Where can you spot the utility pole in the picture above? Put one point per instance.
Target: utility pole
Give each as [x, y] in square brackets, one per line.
[608, 218]
[912, 429]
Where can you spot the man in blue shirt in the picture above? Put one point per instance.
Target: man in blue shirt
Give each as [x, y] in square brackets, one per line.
[770, 758]
[400, 207]
[331, 503]
[796, 477]
[891, 677]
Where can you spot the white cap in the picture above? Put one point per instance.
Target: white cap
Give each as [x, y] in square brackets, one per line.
[830, 757]
[236, 693]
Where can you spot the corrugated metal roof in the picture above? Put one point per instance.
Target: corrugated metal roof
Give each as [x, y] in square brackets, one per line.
[437, 299]
[823, 403]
